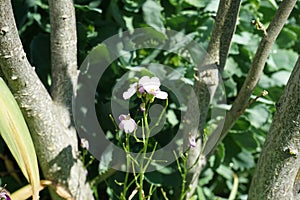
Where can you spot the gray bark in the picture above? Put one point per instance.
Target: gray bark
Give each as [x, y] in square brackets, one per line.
[56, 145]
[208, 76]
[254, 73]
[276, 175]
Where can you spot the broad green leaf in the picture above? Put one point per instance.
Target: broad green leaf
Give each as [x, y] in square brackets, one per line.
[152, 15]
[281, 78]
[230, 87]
[16, 135]
[206, 176]
[90, 7]
[197, 3]
[171, 117]
[281, 59]
[287, 38]
[225, 171]
[232, 68]
[244, 160]
[212, 6]
[246, 140]
[157, 178]
[258, 115]
[133, 5]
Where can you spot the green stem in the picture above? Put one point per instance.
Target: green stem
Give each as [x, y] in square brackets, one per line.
[144, 151]
[128, 163]
[161, 115]
[183, 175]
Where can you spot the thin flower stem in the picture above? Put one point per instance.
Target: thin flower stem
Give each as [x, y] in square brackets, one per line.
[128, 163]
[144, 152]
[151, 191]
[114, 122]
[183, 175]
[161, 115]
[150, 158]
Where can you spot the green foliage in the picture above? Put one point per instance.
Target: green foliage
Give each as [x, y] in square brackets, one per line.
[99, 20]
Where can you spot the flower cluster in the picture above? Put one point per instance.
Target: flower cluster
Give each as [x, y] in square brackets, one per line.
[147, 88]
[148, 85]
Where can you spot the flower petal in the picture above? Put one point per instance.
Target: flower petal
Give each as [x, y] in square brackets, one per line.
[121, 125]
[150, 84]
[161, 94]
[129, 125]
[122, 117]
[141, 89]
[130, 92]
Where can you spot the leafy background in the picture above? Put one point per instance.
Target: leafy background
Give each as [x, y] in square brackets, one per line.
[97, 20]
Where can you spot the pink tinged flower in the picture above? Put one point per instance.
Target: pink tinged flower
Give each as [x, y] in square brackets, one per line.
[4, 195]
[151, 85]
[131, 91]
[192, 142]
[141, 89]
[127, 124]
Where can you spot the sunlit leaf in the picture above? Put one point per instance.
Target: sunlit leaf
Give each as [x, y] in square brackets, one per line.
[244, 160]
[281, 59]
[152, 15]
[16, 135]
[258, 115]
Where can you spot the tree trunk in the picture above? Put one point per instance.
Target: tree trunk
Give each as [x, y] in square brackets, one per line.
[276, 175]
[56, 144]
[241, 102]
[208, 75]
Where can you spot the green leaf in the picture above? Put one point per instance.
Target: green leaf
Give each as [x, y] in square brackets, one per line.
[206, 177]
[91, 7]
[212, 6]
[197, 3]
[171, 117]
[225, 171]
[242, 124]
[281, 59]
[244, 160]
[232, 68]
[16, 135]
[132, 5]
[287, 38]
[281, 78]
[230, 87]
[159, 179]
[152, 15]
[258, 115]
[245, 140]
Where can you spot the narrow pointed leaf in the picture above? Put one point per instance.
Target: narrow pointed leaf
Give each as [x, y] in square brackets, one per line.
[16, 135]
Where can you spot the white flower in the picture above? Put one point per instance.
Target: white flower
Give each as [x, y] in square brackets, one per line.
[127, 124]
[131, 91]
[151, 86]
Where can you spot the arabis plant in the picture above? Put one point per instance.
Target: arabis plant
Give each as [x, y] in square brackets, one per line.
[146, 89]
